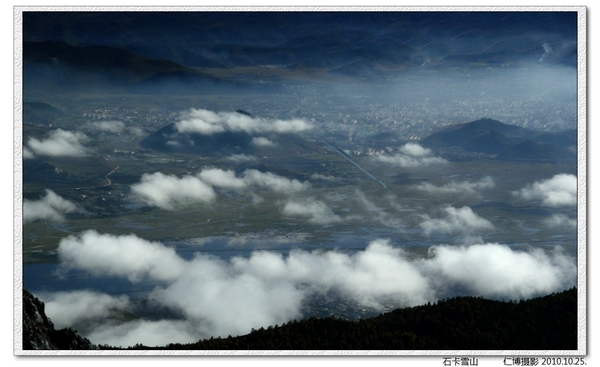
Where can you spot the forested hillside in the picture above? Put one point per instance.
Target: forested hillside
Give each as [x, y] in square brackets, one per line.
[461, 323]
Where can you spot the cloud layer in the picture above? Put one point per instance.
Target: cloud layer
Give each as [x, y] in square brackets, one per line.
[494, 270]
[459, 188]
[82, 305]
[27, 154]
[51, 207]
[208, 122]
[171, 192]
[560, 220]
[560, 190]
[123, 256]
[261, 141]
[379, 214]
[230, 297]
[456, 220]
[316, 211]
[58, 143]
[273, 182]
[241, 158]
[412, 155]
[220, 178]
[109, 126]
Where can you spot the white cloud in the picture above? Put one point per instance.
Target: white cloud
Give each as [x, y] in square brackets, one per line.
[59, 143]
[79, 307]
[240, 158]
[51, 207]
[263, 142]
[415, 150]
[560, 220]
[560, 190]
[201, 121]
[219, 178]
[137, 131]
[379, 214]
[108, 126]
[251, 177]
[220, 298]
[230, 301]
[317, 211]
[169, 192]
[378, 275]
[494, 270]
[256, 199]
[462, 220]
[208, 122]
[459, 188]
[411, 155]
[27, 154]
[126, 256]
[147, 332]
[274, 182]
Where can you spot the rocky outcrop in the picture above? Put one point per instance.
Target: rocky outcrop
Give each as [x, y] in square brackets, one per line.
[39, 332]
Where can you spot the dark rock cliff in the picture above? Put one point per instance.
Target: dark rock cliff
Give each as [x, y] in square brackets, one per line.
[39, 332]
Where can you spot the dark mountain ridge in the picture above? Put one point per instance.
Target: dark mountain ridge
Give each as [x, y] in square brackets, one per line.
[122, 65]
[505, 142]
[534, 150]
[40, 113]
[39, 332]
[324, 39]
[460, 323]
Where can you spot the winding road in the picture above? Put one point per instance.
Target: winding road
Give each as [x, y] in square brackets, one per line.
[108, 181]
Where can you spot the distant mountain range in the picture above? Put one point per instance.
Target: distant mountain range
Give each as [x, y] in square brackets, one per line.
[147, 46]
[505, 142]
[40, 113]
[65, 65]
[485, 136]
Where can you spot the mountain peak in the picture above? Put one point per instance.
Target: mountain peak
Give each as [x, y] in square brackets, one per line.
[489, 136]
